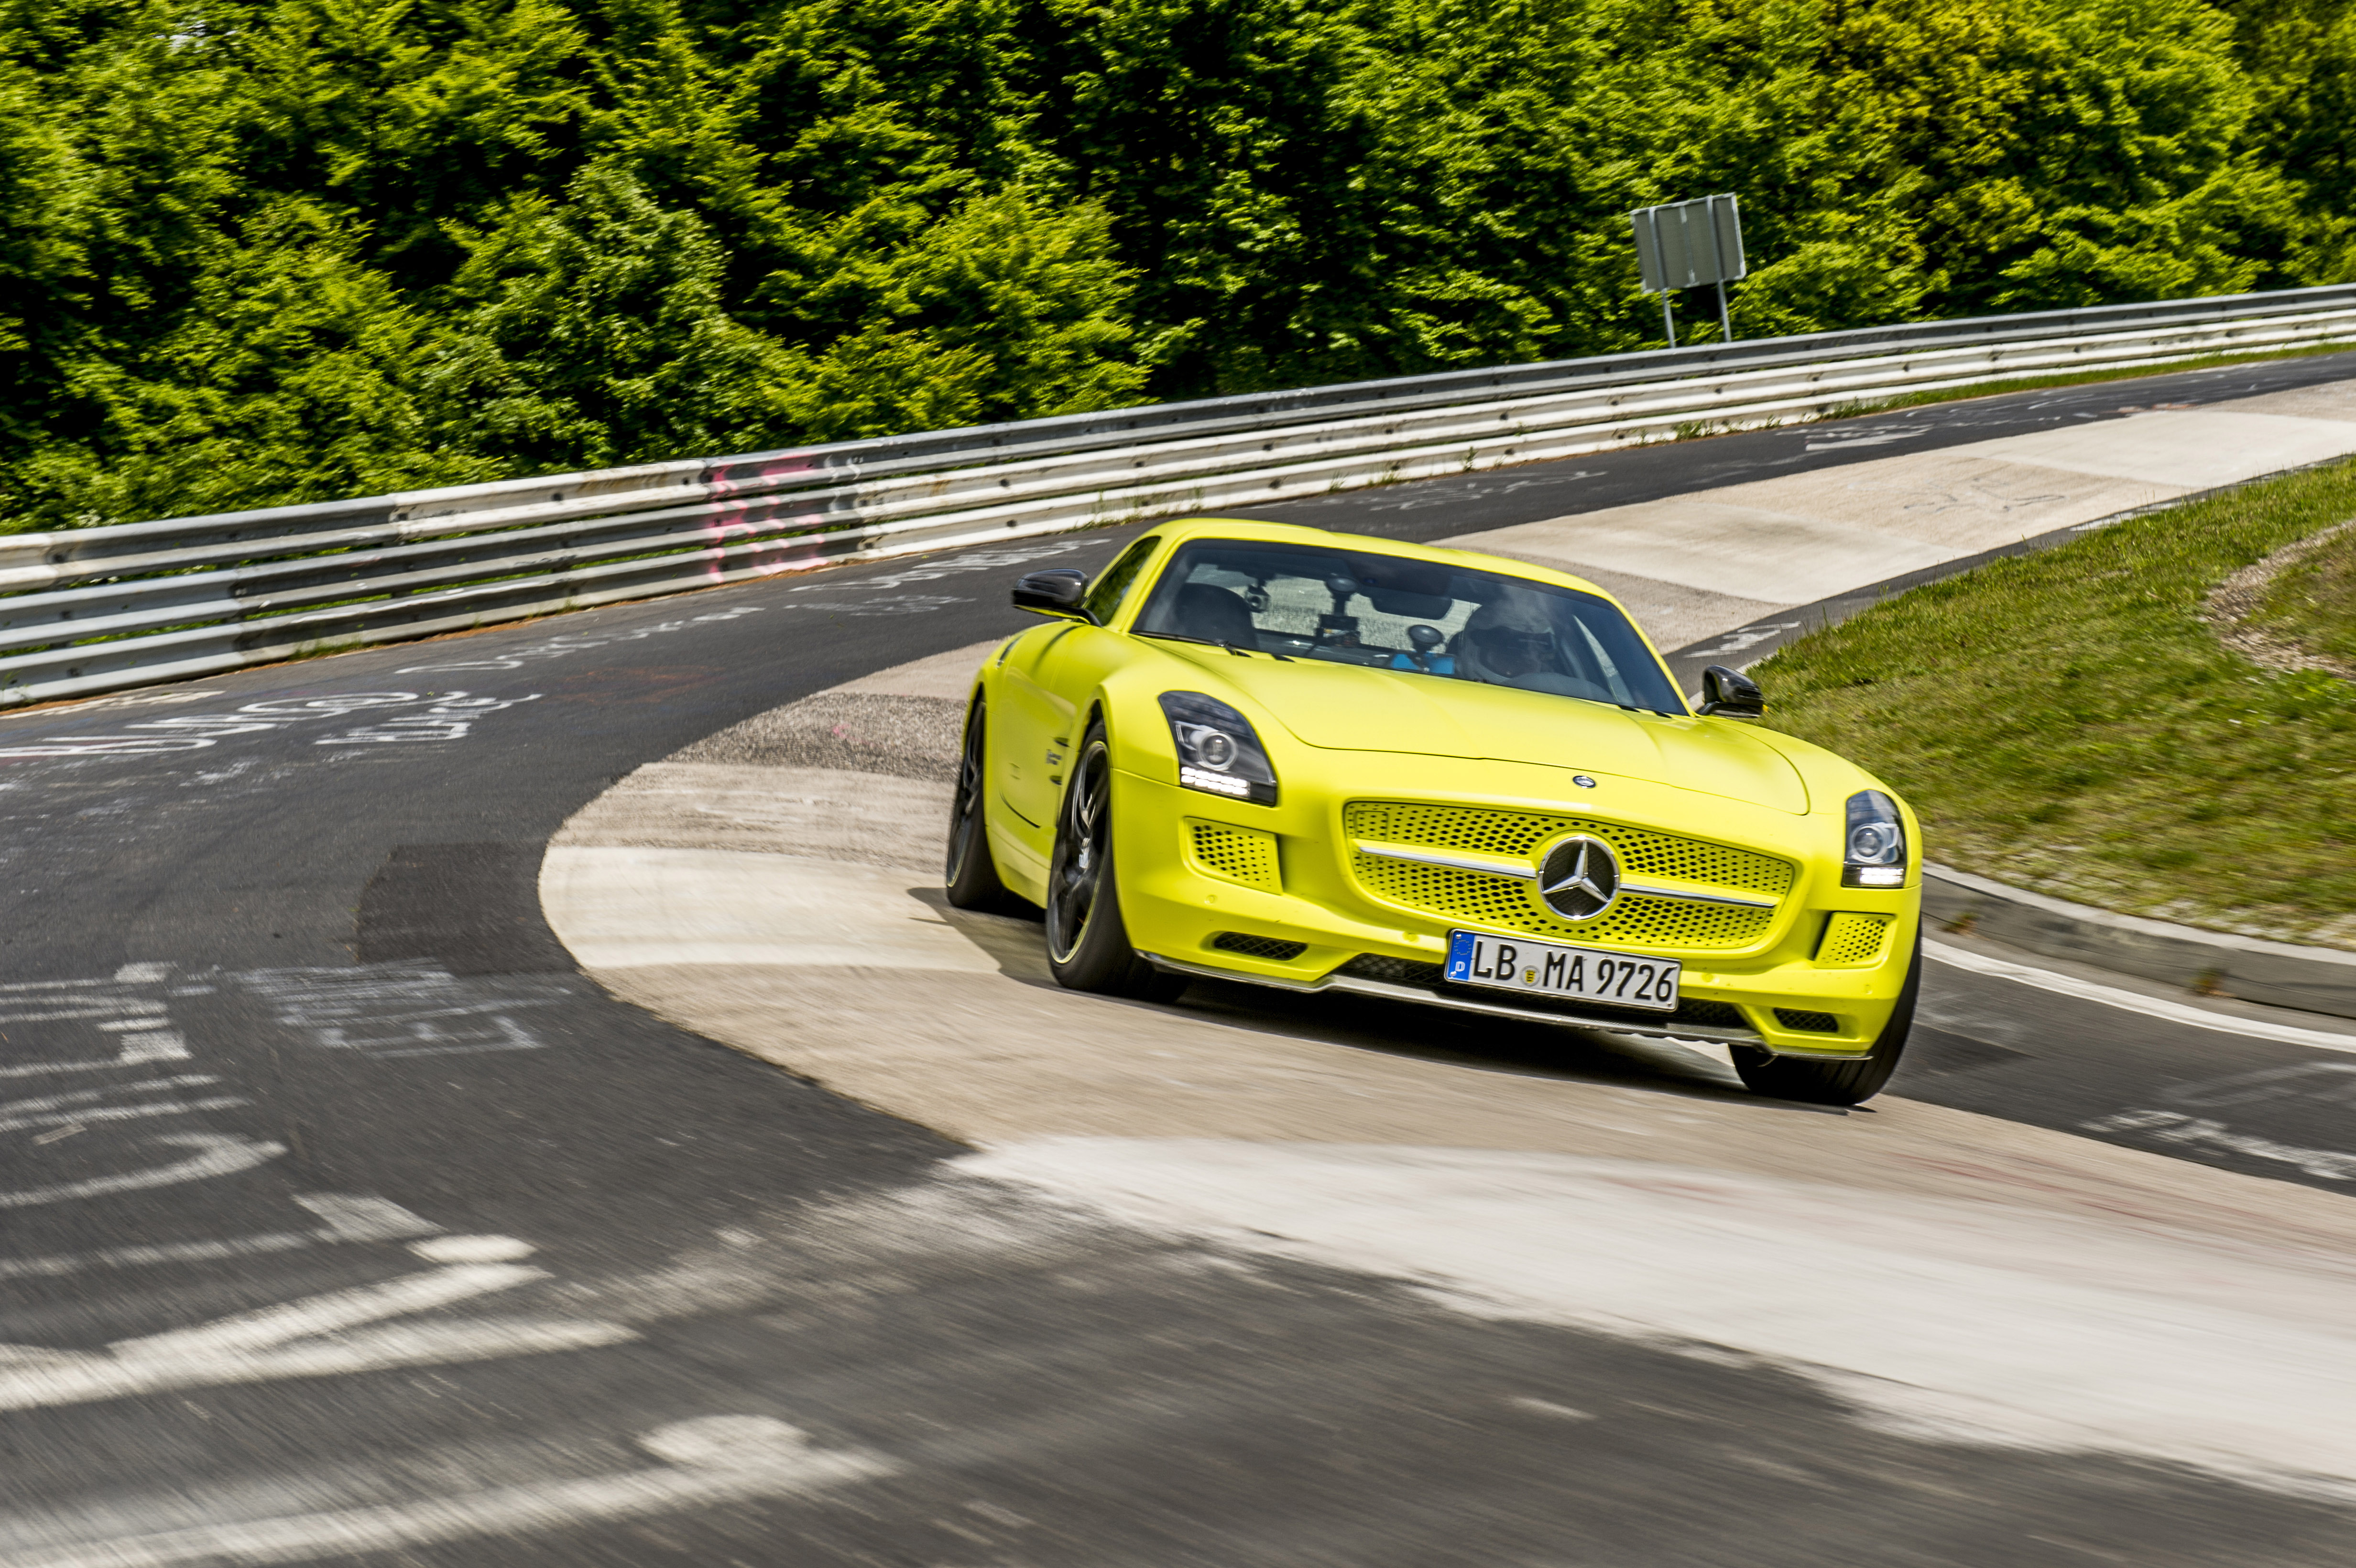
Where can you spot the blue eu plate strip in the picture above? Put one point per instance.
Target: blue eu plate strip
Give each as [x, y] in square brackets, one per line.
[1459, 955]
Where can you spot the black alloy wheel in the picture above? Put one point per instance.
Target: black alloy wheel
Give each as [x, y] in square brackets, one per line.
[972, 873]
[1087, 945]
[1837, 1082]
[1077, 875]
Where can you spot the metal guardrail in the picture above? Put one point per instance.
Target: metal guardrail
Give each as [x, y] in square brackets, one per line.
[98, 609]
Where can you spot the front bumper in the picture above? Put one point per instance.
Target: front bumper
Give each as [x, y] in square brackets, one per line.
[1293, 918]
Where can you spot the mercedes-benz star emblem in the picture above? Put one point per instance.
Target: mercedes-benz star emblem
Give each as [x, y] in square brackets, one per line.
[1579, 878]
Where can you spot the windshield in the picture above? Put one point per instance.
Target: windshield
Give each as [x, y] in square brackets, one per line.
[1418, 618]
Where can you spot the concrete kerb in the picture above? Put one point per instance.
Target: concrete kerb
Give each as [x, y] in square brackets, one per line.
[2212, 963]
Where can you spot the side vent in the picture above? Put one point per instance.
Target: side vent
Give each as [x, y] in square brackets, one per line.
[1244, 855]
[1852, 941]
[1814, 1023]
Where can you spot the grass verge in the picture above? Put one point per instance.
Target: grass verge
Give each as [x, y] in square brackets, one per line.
[2312, 602]
[2067, 722]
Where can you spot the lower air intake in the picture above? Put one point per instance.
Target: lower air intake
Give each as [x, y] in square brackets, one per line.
[1397, 971]
[1814, 1023]
[1257, 946]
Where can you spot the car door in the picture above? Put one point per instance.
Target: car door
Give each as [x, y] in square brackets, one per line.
[1025, 720]
[1047, 675]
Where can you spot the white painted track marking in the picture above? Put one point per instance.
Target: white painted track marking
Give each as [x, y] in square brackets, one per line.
[262, 1346]
[363, 1217]
[578, 642]
[274, 1326]
[713, 1460]
[142, 1032]
[220, 1153]
[2176, 1127]
[446, 716]
[2134, 1002]
[348, 1218]
[472, 1249]
[404, 1009]
[80, 1103]
[90, 1115]
[150, 1045]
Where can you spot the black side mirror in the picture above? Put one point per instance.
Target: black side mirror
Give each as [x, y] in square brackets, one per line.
[1725, 690]
[1055, 592]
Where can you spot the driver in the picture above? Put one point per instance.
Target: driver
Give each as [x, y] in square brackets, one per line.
[1507, 640]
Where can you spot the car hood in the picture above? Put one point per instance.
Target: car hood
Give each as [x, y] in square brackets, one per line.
[1348, 708]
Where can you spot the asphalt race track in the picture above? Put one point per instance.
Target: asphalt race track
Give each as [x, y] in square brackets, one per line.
[342, 1219]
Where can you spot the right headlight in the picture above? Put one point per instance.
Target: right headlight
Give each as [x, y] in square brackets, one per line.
[1874, 853]
[1218, 752]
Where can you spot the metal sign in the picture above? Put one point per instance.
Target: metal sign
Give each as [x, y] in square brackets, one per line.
[1686, 244]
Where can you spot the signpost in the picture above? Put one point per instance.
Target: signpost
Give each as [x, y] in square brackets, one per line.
[1684, 244]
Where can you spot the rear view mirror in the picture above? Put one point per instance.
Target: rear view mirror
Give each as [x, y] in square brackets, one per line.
[1730, 691]
[1052, 592]
[1414, 606]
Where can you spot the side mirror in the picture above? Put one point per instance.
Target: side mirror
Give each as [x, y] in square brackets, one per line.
[1056, 593]
[1725, 690]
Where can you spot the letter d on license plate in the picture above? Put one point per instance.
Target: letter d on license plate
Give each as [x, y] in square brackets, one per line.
[1572, 974]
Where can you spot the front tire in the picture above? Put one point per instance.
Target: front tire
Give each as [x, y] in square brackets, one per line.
[1087, 945]
[972, 873]
[1850, 1082]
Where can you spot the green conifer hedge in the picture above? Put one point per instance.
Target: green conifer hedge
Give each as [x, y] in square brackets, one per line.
[257, 251]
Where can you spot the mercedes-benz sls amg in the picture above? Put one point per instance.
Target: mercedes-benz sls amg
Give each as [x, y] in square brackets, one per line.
[1278, 755]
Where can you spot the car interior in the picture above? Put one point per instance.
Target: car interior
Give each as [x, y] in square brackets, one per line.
[1415, 617]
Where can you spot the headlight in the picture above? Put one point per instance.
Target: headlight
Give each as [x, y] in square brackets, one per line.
[1218, 753]
[1875, 852]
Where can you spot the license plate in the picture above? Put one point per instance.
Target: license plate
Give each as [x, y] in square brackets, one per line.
[1573, 974]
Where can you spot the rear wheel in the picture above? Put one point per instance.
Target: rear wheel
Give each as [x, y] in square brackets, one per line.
[1088, 946]
[971, 875]
[1846, 1083]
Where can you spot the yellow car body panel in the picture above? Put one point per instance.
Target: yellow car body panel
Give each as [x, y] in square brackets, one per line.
[1346, 708]
[1362, 755]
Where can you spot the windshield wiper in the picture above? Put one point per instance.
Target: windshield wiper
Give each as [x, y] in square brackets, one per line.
[1238, 649]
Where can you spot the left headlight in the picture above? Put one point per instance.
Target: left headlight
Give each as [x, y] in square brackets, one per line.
[1874, 853]
[1218, 752]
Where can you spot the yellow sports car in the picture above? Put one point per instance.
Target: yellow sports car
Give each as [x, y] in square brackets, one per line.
[1320, 762]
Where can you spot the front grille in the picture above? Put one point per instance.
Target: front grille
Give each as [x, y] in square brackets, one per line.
[1257, 946]
[1851, 939]
[1510, 903]
[1814, 1023]
[1643, 852]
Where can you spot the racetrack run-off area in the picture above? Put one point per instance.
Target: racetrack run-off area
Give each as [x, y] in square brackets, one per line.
[377, 1192]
